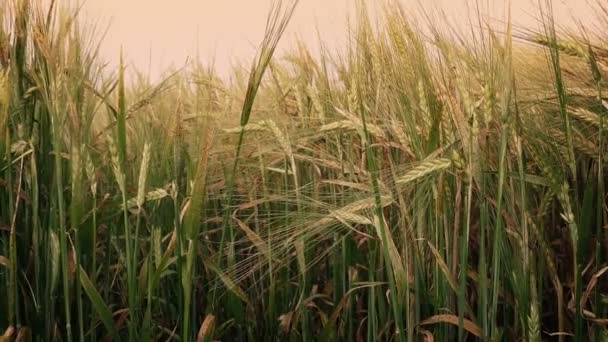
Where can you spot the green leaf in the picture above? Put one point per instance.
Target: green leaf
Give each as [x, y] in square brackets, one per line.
[102, 309]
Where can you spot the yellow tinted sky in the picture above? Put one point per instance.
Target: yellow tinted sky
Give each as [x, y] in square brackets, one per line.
[166, 31]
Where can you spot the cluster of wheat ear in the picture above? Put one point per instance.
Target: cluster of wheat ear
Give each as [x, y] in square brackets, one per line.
[423, 183]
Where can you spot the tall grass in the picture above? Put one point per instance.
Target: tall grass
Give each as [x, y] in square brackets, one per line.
[422, 184]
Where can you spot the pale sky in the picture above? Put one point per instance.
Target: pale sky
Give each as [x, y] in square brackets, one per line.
[168, 31]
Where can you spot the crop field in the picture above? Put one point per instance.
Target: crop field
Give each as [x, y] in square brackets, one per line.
[425, 183]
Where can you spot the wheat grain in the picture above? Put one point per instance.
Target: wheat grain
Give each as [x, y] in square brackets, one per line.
[586, 116]
[424, 169]
[143, 171]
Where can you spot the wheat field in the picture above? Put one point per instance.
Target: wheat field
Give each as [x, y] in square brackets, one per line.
[424, 184]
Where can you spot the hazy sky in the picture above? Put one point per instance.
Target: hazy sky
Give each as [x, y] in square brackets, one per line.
[168, 31]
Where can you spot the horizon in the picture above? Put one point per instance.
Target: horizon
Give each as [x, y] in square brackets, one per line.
[225, 37]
